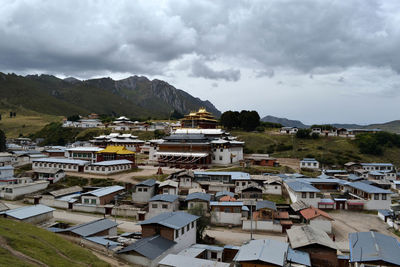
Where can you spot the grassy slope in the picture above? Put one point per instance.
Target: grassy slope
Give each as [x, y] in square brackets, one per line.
[334, 149]
[41, 245]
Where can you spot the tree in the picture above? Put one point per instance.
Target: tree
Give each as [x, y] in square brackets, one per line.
[202, 222]
[176, 115]
[249, 120]
[2, 141]
[158, 134]
[73, 118]
[230, 119]
[303, 133]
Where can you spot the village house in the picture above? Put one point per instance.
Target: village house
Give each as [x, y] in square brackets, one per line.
[109, 166]
[261, 160]
[168, 187]
[26, 157]
[309, 163]
[318, 219]
[6, 159]
[214, 182]
[303, 191]
[71, 165]
[289, 130]
[373, 249]
[55, 152]
[227, 212]
[316, 242]
[101, 196]
[100, 227]
[269, 253]
[15, 191]
[62, 198]
[115, 153]
[30, 214]
[83, 153]
[51, 175]
[162, 203]
[365, 196]
[186, 182]
[129, 141]
[144, 191]
[168, 232]
[6, 171]
[198, 200]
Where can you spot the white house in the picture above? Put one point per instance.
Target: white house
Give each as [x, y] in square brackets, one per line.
[144, 191]
[369, 196]
[30, 214]
[83, 153]
[101, 196]
[109, 166]
[6, 171]
[168, 187]
[14, 191]
[318, 218]
[53, 175]
[289, 130]
[162, 203]
[226, 152]
[226, 212]
[309, 163]
[302, 191]
[71, 165]
[198, 200]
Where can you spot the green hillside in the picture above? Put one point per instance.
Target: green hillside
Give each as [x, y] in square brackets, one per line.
[328, 150]
[23, 244]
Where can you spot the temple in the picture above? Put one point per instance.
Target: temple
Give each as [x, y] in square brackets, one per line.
[200, 119]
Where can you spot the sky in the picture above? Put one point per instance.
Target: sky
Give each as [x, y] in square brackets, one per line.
[315, 61]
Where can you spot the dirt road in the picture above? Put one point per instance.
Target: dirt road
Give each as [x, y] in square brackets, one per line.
[237, 237]
[290, 162]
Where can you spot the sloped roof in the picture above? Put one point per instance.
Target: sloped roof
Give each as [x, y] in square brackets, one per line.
[227, 198]
[28, 211]
[65, 191]
[164, 198]
[264, 250]
[3, 207]
[149, 247]
[180, 261]
[233, 175]
[306, 235]
[91, 228]
[119, 150]
[105, 191]
[148, 182]
[168, 183]
[312, 213]
[369, 188]
[198, 196]
[175, 220]
[112, 162]
[224, 193]
[265, 204]
[373, 246]
[297, 256]
[301, 187]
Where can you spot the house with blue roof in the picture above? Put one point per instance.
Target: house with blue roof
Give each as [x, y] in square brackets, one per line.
[30, 214]
[309, 163]
[366, 196]
[144, 191]
[198, 200]
[301, 190]
[162, 203]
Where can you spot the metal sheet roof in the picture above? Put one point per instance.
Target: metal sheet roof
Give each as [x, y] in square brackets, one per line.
[299, 257]
[103, 241]
[369, 188]
[265, 204]
[65, 191]
[377, 164]
[224, 193]
[306, 235]
[28, 211]
[301, 186]
[62, 161]
[92, 228]
[105, 191]
[164, 198]
[265, 250]
[372, 246]
[148, 182]
[226, 203]
[184, 261]
[112, 162]
[233, 175]
[198, 196]
[85, 149]
[175, 220]
[150, 247]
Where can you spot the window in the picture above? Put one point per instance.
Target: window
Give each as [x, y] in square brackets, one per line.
[220, 157]
[154, 206]
[304, 195]
[213, 255]
[187, 228]
[276, 187]
[182, 230]
[165, 206]
[86, 201]
[227, 210]
[236, 210]
[237, 183]
[93, 201]
[221, 150]
[243, 183]
[383, 196]
[139, 189]
[176, 233]
[191, 205]
[311, 195]
[192, 224]
[165, 191]
[376, 196]
[144, 189]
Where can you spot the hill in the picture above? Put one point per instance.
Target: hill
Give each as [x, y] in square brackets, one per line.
[23, 244]
[135, 96]
[284, 122]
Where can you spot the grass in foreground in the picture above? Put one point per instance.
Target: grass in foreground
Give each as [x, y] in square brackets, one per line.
[42, 246]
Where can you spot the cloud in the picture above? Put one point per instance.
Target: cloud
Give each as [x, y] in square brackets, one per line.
[265, 73]
[214, 85]
[200, 69]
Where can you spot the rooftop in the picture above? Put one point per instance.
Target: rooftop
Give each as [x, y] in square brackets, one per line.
[180, 261]
[27, 211]
[91, 228]
[148, 182]
[233, 175]
[112, 162]
[105, 191]
[369, 188]
[149, 247]
[301, 187]
[312, 213]
[84, 149]
[175, 220]
[265, 204]
[62, 161]
[302, 236]
[164, 198]
[198, 196]
[119, 150]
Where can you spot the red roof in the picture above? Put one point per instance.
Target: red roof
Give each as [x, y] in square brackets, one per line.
[227, 198]
[311, 213]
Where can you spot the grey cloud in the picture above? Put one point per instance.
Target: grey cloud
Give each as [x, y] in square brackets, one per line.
[265, 73]
[200, 69]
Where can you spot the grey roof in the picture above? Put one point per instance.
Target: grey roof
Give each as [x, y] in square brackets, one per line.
[302, 236]
[164, 198]
[3, 207]
[91, 228]
[385, 212]
[198, 196]
[265, 250]
[301, 187]
[62, 161]
[112, 162]
[103, 241]
[148, 182]
[369, 188]
[150, 247]
[105, 191]
[265, 204]
[372, 246]
[377, 164]
[233, 175]
[183, 261]
[354, 177]
[175, 220]
[297, 256]
[66, 191]
[224, 193]
[308, 159]
[226, 203]
[28, 211]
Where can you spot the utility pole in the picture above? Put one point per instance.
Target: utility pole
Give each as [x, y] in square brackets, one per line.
[251, 219]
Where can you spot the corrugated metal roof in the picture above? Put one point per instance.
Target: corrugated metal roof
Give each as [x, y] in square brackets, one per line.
[233, 175]
[373, 246]
[103, 241]
[369, 188]
[28, 211]
[265, 250]
[224, 193]
[86, 149]
[184, 261]
[164, 198]
[301, 186]
[377, 164]
[112, 162]
[226, 203]
[148, 182]
[175, 220]
[92, 228]
[300, 257]
[3, 207]
[62, 161]
[65, 191]
[305, 235]
[105, 191]
[265, 204]
[191, 252]
[198, 196]
[149, 247]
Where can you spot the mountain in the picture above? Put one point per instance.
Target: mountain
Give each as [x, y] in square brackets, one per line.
[134, 96]
[284, 122]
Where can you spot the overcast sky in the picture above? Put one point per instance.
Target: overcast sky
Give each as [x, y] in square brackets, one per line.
[316, 61]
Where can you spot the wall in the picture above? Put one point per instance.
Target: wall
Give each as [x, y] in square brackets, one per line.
[143, 197]
[273, 189]
[262, 226]
[51, 202]
[378, 204]
[107, 169]
[21, 190]
[89, 208]
[226, 218]
[155, 211]
[40, 218]
[237, 153]
[187, 239]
